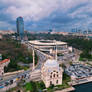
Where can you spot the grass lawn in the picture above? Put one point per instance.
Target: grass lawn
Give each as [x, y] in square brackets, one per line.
[34, 86]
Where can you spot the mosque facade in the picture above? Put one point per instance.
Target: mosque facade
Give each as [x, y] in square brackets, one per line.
[51, 73]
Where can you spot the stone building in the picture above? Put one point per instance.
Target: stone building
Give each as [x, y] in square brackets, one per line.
[3, 63]
[51, 73]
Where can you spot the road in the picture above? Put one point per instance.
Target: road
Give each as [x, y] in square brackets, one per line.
[15, 79]
[24, 75]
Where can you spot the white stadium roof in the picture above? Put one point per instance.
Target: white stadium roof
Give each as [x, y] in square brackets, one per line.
[46, 42]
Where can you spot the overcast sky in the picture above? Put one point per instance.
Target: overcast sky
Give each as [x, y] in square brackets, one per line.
[46, 14]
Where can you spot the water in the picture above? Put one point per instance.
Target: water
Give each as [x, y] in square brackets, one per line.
[83, 87]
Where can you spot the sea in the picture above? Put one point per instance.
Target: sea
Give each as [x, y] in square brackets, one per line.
[87, 87]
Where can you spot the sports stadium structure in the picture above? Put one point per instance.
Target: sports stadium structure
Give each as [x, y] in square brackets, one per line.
[50, 46]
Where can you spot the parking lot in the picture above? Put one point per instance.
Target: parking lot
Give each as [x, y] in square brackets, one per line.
[78, 71]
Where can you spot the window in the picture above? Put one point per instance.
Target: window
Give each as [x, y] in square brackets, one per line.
[57, 82]
[54, 71]
[2, 73]
[50, 82]
[50, 76]
[54, 75]
[57, 75]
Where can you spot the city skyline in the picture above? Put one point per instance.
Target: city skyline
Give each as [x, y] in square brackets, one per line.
[44, 15]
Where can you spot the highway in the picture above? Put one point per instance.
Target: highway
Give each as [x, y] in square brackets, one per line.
[16, 78]
[26, 74]
[42, 56]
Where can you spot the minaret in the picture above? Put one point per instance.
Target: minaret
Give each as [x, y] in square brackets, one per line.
[56, 52]
[33, 59]
[0, 57]
[55, 49]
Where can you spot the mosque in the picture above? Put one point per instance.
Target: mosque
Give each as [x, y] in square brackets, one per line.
[51, 73]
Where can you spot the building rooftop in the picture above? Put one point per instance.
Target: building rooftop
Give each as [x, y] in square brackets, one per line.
[4, 61]
[46, 42]
[51, 63]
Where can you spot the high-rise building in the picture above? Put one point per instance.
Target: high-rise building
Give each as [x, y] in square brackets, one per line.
[20, 28]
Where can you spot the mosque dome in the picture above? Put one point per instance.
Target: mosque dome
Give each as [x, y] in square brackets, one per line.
[51, 63]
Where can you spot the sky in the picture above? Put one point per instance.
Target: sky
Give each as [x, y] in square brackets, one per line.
[42, 15]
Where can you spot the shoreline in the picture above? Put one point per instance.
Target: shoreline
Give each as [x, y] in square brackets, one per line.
[81, 81]
[66, 89]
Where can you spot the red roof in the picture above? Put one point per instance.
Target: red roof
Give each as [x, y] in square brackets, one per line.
[4, 61]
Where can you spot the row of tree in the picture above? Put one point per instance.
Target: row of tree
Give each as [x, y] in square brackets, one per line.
[16, 52]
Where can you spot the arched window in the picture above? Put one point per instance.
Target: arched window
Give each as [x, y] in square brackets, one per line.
[2, 73]
[56, 81]
[50, 82]
[54, 71]
[50, 76]
[54, 75]
[57, 75]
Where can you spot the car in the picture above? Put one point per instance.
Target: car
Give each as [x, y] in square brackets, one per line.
[1, 78]
[1, 87]
[11, 82]
[6, 83]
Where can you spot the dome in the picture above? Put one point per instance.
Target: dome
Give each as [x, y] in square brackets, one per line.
[51, 63]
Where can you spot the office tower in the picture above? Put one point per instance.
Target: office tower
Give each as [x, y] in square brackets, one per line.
[20, 28]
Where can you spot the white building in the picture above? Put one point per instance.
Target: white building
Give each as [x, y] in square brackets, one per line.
[3, 63]
[49, 46]
[51, 73]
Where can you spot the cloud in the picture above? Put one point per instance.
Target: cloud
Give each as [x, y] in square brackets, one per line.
[5, 26]
[30, 9]
[82, 12]
[37, 9]
[66, 5]
[52, 13]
